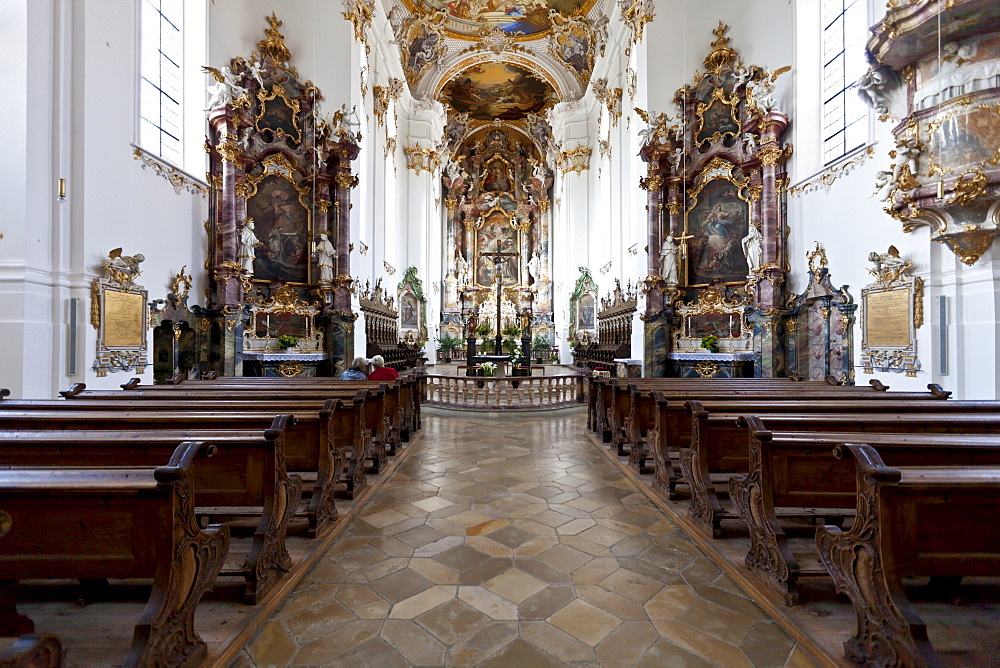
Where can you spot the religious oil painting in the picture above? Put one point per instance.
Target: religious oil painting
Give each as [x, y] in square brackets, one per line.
[272, 325]
[718, 221]
[965, 141]
[520, 19]
[496, 236]
[498, 176]
[585, 308]
[488, 91]
[277, 115]
[409, 311]
[718, 118]
[282, 224]
[719, 325]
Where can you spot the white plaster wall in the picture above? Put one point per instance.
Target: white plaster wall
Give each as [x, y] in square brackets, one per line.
[76, 106]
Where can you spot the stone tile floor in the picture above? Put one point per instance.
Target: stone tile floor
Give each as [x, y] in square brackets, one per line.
[509, 540]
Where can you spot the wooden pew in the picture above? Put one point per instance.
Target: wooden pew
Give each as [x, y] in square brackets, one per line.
[795, 474]
[380, 407]
[666, 421]
[613, 401]
[116, 523]
[245, 476]
[920, 521]
[31, 652]
[308, 450]
[409, 386]
[599, 392]
[718, 445]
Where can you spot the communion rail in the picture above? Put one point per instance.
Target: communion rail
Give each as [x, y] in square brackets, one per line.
[502, 393]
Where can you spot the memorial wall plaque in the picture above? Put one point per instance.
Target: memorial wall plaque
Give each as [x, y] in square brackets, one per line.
[119, 313]
[892, 310]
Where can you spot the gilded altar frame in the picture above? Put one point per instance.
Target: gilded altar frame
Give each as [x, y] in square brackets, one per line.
[283, 315]
[277, 91]
[278, 165]
[718, 169]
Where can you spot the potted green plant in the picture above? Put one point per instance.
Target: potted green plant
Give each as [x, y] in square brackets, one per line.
[484, 331]
[710, 343]
[540, 345]
[285, 342]
[447, 344]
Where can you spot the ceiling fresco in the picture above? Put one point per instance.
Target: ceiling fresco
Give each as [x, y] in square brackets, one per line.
[466, 18]
[497, 90]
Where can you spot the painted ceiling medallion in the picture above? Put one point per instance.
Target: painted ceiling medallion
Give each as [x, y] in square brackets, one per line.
[488, 91]
[529, 19]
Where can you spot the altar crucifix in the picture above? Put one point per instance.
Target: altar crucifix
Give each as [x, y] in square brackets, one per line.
[498, 265]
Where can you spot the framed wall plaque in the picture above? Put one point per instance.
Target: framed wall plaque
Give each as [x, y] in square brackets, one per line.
[119, 311]
[891, 312]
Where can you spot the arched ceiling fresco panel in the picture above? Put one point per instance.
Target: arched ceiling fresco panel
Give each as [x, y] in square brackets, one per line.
[489, 90]
[529, 20]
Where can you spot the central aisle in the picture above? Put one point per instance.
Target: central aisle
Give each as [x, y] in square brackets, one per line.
[511, 541]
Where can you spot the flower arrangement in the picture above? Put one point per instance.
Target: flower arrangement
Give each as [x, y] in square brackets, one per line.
[488, 369]
[710, 343]
[285, 342]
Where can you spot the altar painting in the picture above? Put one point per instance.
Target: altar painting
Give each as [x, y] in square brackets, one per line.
[497, 236]
[282, 225]
[278, 114]
[272, 325]
[718, 118]
[717, 223]
[719, 325]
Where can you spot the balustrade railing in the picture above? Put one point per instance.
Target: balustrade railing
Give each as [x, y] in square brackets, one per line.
[506, 392]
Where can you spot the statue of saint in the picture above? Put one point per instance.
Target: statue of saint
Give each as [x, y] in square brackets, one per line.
[324, 259]
[247, 243]
[752, 248]
[461, 270]
[669, 254]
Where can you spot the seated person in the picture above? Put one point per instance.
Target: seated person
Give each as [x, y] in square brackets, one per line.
[380, 371]
[356, 371]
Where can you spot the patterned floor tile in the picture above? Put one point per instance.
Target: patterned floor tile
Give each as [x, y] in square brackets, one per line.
[509, 540]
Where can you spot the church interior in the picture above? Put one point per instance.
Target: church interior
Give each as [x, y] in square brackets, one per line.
[414, 332]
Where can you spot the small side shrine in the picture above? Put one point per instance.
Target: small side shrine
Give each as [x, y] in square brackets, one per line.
[717, 225]
[819, 325]
[614, 330]
[279, 211]
[382, 327]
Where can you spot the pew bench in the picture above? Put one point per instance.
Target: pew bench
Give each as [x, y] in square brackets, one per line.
[379, 408]
[660, 421]
[719, 445]
[910, 521]
[245, 477]
[795, 474]
[117, 523]
[308, 451]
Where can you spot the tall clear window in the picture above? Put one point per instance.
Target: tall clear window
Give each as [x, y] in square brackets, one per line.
[845, 116]
[171, 84]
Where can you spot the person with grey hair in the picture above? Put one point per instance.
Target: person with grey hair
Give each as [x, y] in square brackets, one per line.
[356, 370]
[380, 371]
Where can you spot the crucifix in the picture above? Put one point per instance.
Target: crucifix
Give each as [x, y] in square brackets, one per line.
[498, 265]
